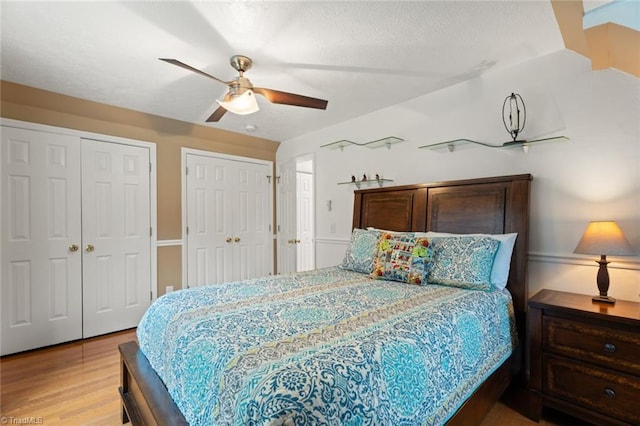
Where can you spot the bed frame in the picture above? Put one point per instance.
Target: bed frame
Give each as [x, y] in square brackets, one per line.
[493, 205]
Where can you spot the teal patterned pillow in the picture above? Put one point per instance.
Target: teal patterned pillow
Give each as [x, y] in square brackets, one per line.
[402, 258]
[361, 251]
[463, 261]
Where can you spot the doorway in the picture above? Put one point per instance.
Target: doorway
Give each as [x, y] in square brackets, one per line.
[305, 214]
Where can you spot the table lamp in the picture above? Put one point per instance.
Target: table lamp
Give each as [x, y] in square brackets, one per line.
[603, 238]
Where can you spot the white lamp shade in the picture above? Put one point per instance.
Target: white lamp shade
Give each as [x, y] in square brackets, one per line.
[242, 105]
[604, 238]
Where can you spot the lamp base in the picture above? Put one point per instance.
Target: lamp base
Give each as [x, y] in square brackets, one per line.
[604, 299]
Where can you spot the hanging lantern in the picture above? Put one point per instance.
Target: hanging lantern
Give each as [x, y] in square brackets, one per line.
[514, 115]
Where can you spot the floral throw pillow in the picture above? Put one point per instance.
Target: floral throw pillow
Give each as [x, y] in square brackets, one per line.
[463, 261]
[402, 258]
[361, 251]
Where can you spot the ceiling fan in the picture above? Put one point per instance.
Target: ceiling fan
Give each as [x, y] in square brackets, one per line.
[514, 117]
[240, 98]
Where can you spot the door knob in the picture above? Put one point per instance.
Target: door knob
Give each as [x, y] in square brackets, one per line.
[90, 248]
[73, 248]
[236, 239]
[229, 239]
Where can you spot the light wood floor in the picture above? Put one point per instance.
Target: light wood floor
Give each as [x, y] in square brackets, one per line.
[76, 384]
[70, 384]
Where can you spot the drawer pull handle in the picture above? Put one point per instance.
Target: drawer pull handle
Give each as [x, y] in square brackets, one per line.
[609, 347]
[610, 393]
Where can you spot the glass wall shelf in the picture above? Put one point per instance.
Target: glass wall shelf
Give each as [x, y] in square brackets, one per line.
[454, 144]
[359, 183]
[338, 144]
[341, 144]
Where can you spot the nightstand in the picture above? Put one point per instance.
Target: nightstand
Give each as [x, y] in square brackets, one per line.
[584, 358]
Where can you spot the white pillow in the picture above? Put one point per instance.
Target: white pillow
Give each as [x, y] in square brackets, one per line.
[502, 261]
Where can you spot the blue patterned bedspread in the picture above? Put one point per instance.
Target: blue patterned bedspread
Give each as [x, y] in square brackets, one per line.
[326, 347]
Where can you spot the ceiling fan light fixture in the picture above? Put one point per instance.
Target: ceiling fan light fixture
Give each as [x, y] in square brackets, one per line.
[242, 105]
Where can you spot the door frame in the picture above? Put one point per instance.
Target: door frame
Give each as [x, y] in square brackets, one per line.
[183, 174]
[296, 160]
[284, 213]
[153, 185]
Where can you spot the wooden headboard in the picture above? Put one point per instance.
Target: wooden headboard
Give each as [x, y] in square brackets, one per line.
[495, 205]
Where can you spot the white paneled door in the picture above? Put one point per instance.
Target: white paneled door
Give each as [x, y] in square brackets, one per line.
[228, 212]
[305, 253]
[41, 239]
[287, 208]
[116, 234]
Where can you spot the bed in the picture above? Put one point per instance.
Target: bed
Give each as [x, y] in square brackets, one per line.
[329, 364]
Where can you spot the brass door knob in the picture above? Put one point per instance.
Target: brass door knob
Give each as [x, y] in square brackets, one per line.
[73, 248]
[236, 239]
[90, 248]
[229, 239]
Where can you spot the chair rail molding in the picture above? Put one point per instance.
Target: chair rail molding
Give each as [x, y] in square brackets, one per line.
[632, 264]
[168, 243]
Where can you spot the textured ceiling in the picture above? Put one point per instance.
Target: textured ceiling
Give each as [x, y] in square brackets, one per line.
[360, 56]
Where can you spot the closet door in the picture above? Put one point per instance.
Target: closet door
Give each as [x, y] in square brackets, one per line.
[228, 212]
[209, 220]
[116, 236]
[252, 242]
[41, 258]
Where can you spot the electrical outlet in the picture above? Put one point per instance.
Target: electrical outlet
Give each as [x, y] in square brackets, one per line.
[168, 289]
[332, 228]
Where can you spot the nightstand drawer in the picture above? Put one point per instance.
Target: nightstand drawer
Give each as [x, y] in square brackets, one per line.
[607, 347]
[599, 389]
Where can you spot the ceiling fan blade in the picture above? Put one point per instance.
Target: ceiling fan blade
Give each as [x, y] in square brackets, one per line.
[190, 68]
[277, 97]
[217, 115]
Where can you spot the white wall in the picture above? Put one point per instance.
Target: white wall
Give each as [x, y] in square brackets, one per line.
[594, 176]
